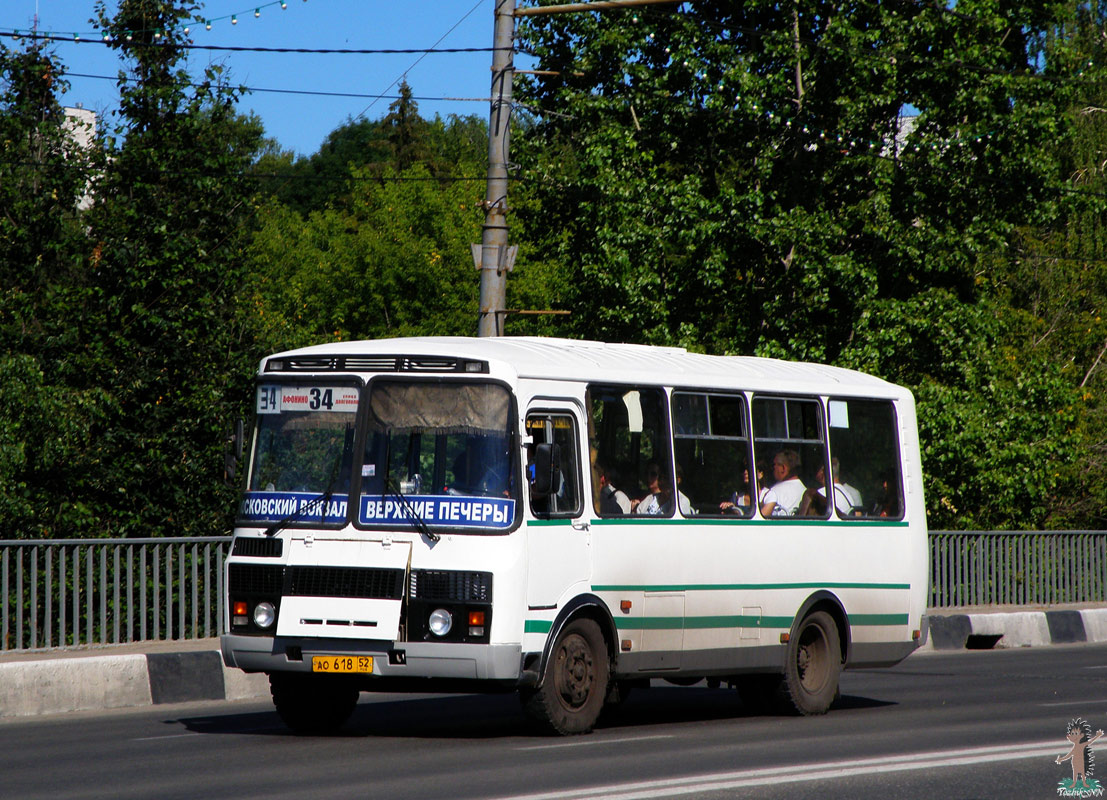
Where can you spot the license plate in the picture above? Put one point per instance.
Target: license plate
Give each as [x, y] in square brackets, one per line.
[342, 665]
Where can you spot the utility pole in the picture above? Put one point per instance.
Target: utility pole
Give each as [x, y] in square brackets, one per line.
[495, 258]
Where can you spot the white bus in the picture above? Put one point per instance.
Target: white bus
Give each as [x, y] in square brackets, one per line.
[570, 519]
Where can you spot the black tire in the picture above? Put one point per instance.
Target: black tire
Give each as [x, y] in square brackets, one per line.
[574, 682]
[314, 704]
[814, 664]
[760, 694]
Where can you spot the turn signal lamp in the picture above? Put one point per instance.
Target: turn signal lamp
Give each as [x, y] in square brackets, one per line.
[476, 623]
[241, 611]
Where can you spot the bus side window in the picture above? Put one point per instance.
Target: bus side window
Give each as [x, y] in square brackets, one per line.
[711, 443]
[789, 440]
[628, 437]
[865, 458]
[563, 499]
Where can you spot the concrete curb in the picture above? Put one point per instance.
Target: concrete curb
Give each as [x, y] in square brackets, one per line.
[96, 682]
[174, 672]
[988, 630]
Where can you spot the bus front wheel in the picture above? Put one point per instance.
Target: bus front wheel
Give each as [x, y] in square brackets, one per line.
[574, 683]
[318, 704]
[813, 665]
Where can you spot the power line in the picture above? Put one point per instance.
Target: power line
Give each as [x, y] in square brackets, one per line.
[441, 38]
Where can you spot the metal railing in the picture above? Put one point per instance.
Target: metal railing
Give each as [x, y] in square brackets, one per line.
[986, 568]
[72, 592]
[79, 592]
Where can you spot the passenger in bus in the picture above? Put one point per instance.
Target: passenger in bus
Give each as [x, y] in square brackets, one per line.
[888, 505]
[741, 500]
[852, 492]
[785, 495]
[846, 497]
[651, 502]
[659, 502]
[612, 500]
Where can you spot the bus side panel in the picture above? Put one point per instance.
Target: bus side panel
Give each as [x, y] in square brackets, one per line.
[722, 593]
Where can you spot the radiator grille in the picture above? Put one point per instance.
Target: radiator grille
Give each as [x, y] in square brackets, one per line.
[379, 584]
[255, 579]
[256, 547]
[443, 585]
[259, 579]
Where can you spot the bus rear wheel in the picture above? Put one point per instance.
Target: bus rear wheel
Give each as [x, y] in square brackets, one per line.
[574, 683]
[813, 665]
[313, 704]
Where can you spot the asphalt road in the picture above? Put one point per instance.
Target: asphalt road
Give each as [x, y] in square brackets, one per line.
[964, 725]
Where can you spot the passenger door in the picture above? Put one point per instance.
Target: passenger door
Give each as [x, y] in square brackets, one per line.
[558, 539]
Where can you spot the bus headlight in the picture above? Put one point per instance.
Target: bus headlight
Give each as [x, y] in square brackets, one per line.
[264, 614]
[440, 622]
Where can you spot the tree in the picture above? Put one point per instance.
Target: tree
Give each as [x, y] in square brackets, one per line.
[738, 178]
[395, 142]
[44, 423]
[406, 130]
[396, 261]
[160, 334]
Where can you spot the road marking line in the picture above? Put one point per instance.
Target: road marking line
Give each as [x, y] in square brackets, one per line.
[594, 741]
[725, 781]
[1074, 703]
[167, 736]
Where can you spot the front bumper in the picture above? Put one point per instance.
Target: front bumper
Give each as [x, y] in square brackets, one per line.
[493, 662]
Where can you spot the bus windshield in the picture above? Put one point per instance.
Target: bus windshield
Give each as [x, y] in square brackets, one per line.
[303, 454]
[439, 450]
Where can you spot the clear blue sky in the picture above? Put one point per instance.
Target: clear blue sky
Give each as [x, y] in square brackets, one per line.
[299, 122]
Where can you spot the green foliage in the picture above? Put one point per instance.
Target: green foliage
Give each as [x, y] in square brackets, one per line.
[996, 420]
[736, 178]
[44, 418]
[396, 142]
[727, 177]
[160, 333]
[394, 262]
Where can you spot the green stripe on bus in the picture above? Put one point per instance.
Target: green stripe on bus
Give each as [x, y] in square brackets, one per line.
[742, 621]
[717, 587]
[700, 623]
[724, 621]
[772, 523]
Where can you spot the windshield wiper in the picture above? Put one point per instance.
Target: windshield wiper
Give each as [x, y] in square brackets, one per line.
[301, 512]
[389, 488]
[412, 514]
[320, 501]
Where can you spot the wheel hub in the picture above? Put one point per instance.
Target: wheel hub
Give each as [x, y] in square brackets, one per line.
[575, 672]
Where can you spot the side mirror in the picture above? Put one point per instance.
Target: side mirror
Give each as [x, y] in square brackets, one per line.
[545, 471]
[232, 454]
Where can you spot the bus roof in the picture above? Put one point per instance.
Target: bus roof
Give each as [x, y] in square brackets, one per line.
[580, 360]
